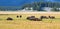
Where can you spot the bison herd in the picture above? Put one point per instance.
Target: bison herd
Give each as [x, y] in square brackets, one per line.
[33, 18]
[40, 19]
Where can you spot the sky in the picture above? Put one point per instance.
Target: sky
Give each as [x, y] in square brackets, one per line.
[21, 2]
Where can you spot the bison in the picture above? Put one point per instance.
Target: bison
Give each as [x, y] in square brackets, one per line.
[52, 17]
[32, 18]
[9, 18]
[42, 17]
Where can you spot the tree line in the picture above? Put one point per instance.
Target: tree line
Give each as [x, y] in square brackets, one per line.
[39, 5]
[36, 6]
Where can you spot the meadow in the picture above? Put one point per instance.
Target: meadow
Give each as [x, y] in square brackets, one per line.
[23, 23]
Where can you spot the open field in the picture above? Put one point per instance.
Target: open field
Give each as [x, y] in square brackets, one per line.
[23, 23]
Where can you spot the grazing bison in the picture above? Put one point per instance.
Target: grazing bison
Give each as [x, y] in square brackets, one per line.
[42, 17]
[32, 18]
[9, 18]
[52, 17]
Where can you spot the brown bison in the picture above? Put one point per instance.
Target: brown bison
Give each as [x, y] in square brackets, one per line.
[9, 18]
[42, 17]
[32, 18]
[52, 17]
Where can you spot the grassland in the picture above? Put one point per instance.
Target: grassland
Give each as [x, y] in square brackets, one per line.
[23, 23]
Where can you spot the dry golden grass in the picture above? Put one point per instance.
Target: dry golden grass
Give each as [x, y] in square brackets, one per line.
[28, 25]
[22, 23]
